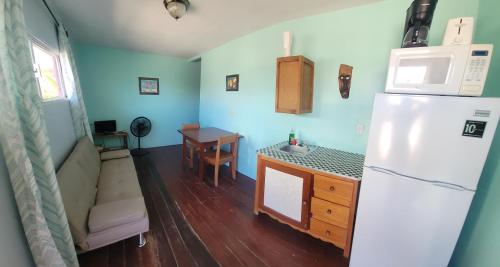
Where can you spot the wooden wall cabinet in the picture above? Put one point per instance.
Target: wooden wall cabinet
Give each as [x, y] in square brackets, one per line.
[294, 85]
[327, 202]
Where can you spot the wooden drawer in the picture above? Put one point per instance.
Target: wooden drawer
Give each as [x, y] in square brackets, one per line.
[330, 212]
[328, 232]
[334, 190]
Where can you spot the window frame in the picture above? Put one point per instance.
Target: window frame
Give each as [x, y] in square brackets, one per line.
[57, 60]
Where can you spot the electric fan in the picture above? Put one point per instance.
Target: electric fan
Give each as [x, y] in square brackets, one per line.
[140, 127]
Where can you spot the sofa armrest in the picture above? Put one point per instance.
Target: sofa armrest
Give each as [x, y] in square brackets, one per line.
[115, 154]
[116, 213]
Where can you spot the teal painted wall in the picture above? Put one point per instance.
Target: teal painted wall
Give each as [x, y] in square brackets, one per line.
[361, 37]
[109, 79]
[479, 242]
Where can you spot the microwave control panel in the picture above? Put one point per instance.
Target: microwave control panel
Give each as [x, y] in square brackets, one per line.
[476, 69]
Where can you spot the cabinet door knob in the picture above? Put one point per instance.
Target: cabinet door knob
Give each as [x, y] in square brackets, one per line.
[329, 211]
[332, 188]
[328, 233]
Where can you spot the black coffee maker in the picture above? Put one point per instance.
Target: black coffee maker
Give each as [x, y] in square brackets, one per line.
[418, 23]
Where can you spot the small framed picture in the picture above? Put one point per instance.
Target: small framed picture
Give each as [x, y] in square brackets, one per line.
[232, 82]
[149, 86]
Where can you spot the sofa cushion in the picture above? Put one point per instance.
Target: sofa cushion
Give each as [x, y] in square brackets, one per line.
[115, 154]
[78, 195]
[88, 158]
[116, 213]
[117, 181]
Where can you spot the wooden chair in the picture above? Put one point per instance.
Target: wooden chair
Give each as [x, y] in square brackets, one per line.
[190, 147]
[220, 157]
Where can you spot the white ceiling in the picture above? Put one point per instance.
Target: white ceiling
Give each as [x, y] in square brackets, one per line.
[145, 25]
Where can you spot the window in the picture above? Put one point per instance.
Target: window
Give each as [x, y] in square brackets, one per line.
[48, 72]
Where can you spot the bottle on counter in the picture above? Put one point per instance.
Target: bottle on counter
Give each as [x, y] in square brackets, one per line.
[291, 136]
[297, 138]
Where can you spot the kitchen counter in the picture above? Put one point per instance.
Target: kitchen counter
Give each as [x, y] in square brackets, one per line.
[333, 161]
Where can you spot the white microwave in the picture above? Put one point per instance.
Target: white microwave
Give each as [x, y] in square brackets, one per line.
[439, 70]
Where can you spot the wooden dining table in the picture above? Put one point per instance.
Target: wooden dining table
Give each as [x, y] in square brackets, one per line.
[203, 138]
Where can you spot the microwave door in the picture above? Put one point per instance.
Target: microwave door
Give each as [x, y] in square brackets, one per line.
[427, 70]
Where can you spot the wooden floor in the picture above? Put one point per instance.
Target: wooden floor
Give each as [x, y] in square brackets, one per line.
[194, 224]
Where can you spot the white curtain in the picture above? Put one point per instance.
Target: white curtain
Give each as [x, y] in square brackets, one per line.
[72, 85]
[25, 146]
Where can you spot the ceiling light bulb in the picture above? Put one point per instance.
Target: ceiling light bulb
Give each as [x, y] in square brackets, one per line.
[176, 9]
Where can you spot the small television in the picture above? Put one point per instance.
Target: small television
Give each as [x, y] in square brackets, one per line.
[105, 126]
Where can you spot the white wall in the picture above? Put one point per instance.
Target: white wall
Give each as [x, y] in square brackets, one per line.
[14, 250]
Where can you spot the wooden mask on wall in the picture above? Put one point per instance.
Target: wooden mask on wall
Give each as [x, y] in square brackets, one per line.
[345, 76]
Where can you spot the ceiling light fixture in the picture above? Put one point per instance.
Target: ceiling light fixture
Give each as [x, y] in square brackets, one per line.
[176, 8]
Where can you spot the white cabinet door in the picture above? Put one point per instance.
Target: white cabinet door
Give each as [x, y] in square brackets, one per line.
[286, 193]
[283, 193]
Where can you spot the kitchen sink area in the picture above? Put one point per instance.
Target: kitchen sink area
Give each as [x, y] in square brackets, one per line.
[311, 188]
[328, 160]
[298, 150]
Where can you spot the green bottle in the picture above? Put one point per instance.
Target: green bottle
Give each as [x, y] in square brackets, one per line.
[291, 136]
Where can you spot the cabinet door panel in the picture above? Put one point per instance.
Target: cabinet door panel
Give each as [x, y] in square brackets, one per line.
[286, 193]
[283, 193]
[288, 86]
[294, 85]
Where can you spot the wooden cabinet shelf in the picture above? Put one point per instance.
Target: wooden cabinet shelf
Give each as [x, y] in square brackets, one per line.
[294, 85]
[317, 203]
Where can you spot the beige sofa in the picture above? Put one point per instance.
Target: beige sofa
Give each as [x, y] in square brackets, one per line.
[102, 197]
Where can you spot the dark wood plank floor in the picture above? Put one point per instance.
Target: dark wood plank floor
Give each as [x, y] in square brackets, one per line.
[194, 224]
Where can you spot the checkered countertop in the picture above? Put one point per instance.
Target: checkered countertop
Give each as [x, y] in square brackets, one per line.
[322, 159]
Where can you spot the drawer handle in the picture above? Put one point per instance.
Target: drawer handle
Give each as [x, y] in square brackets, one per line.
[328, 233]
[329, 211]
[332, 188]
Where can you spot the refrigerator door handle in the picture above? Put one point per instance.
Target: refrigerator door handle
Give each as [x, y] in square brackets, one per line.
[450, 186]
[382, 170]
[433, 182]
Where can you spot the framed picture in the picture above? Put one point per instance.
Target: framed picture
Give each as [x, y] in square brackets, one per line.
[149, 86]
[232, 82]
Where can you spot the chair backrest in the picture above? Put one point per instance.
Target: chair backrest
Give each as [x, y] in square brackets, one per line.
[191, 126]
[228, 139]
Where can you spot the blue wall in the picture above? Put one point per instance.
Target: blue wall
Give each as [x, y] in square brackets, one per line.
[109, 79]
[361, 37]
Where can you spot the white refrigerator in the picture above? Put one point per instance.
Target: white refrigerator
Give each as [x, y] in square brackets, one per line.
[424, 157]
